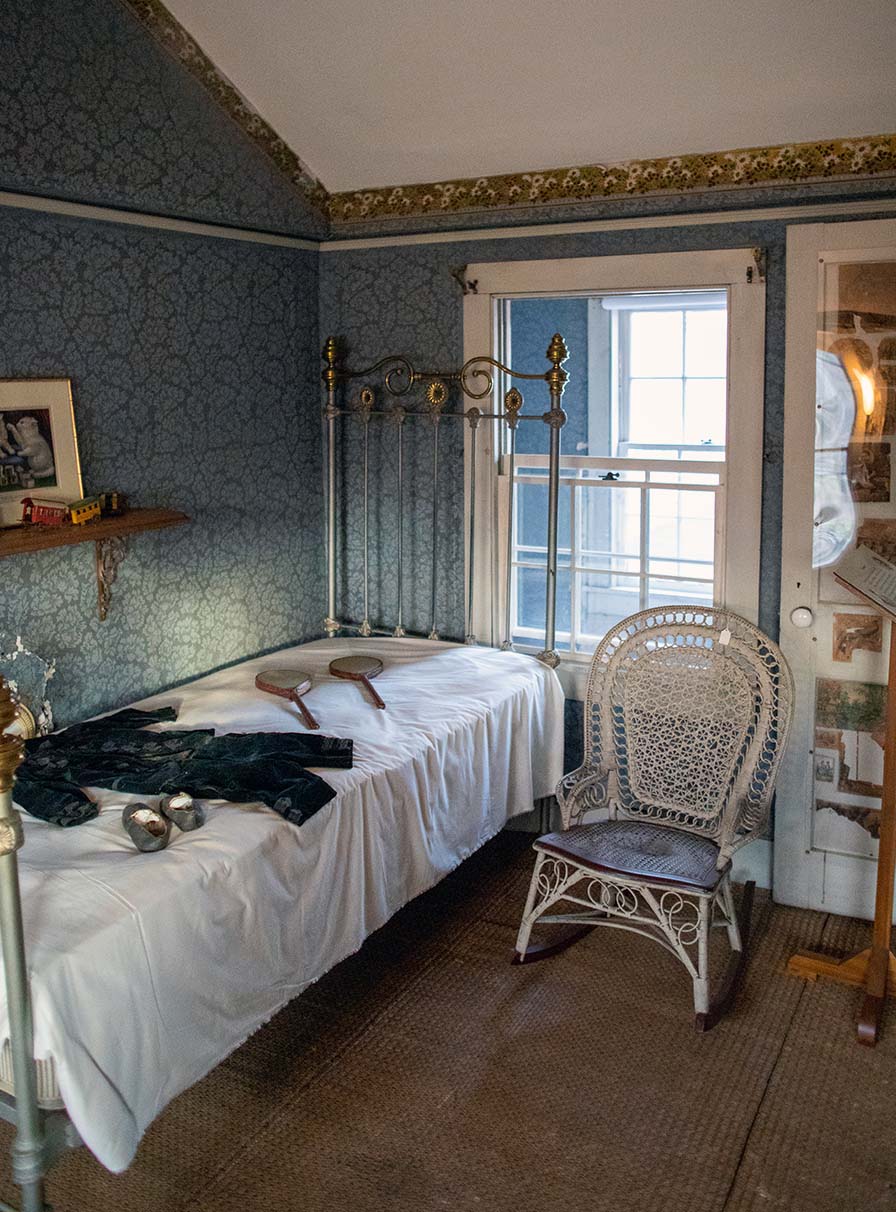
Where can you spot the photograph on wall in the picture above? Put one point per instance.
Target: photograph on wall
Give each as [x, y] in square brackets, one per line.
[868, 470]
[879, 536]
[38, 444]
[852, 631]
[849, 763]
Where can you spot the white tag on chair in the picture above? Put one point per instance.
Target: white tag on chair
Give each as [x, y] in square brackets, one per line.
[725, 637]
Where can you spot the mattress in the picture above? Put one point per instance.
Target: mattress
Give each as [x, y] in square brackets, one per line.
[148, 969]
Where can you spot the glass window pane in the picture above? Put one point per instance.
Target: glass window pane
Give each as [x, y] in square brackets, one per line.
[704, 411]
[652, 452]
[674, 593]
[681, 532]
[610, 521]
[530, 603]
[532, 323]
[655, 343]
[532, 517]
[706, 343]
[604, 599]
[655, 411]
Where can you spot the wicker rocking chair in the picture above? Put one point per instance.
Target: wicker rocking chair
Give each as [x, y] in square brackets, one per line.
[686, 718]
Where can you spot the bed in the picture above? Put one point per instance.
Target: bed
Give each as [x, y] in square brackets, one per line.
[128, 975]
[148, 969]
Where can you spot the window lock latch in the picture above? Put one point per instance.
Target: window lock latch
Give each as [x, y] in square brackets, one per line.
[611, 475]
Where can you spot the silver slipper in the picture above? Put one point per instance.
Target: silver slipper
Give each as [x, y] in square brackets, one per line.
[147, 828]
[180, 809]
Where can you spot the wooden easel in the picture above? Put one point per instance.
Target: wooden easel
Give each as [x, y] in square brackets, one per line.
[873, 969]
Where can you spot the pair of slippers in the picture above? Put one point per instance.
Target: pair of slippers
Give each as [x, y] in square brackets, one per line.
[150, 828]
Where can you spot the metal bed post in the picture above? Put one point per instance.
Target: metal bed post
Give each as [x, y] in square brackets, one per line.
[555, 418]
[513, 403]
[473, 416]
[399, 415]
[366, 408]
[436, 396]
[30, 1159]
[331, 412]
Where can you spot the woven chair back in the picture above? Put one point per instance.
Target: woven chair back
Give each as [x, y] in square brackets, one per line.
[690, 707]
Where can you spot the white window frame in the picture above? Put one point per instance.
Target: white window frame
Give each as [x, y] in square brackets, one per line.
[731, 269]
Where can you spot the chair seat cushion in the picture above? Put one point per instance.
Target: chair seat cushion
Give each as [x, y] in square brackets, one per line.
[640, 850]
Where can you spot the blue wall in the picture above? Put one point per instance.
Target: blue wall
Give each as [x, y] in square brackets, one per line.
[92, 109]
[194, 360]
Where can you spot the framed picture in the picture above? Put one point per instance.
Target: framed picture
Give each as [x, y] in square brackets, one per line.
[38, 444]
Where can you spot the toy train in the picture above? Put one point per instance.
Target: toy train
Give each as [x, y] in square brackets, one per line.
[42, 511]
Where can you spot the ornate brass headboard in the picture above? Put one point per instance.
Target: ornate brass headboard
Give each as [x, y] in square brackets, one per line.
[396, 375]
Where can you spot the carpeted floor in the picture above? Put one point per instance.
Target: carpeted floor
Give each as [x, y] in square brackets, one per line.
[426, 1073]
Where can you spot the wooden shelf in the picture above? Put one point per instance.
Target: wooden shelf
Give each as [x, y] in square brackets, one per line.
[108, 535]
[23, 539]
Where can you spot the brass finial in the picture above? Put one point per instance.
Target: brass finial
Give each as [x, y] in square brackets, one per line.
[330, 355]
[557, 376]
[557, 351]
[7, 706]
[11, 747]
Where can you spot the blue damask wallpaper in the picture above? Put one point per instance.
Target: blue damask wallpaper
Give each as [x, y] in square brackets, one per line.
[194, 364]
[92, 109]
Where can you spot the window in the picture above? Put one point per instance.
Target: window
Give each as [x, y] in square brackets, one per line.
[648, 466]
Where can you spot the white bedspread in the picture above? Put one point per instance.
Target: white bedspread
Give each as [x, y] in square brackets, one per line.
[148, 969]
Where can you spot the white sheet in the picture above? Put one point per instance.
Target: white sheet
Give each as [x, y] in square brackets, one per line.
[148, 969]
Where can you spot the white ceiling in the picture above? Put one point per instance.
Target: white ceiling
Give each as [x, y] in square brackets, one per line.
[389, 92]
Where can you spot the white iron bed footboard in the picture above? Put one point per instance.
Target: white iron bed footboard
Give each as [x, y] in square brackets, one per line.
[41, 1135]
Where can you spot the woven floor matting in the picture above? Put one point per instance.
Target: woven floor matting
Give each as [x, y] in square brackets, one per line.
[427, 1073]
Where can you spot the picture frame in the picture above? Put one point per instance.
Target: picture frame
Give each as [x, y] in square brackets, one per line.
[38, 444]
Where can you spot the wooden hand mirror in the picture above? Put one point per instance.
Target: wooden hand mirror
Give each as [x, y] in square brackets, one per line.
[288, 684]
[359, 669]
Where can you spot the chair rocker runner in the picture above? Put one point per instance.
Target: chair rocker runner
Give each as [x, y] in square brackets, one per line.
[686, 718]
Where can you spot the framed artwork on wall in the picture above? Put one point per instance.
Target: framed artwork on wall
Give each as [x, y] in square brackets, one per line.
[38, 444]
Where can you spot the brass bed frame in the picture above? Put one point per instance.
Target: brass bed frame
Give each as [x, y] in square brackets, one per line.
[396, 376]
[43, 1134]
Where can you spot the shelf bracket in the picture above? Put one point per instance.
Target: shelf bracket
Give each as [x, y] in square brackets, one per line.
[109, 554]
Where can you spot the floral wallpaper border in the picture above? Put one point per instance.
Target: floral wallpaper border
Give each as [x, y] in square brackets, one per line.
[165, 28]
[790, 163]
